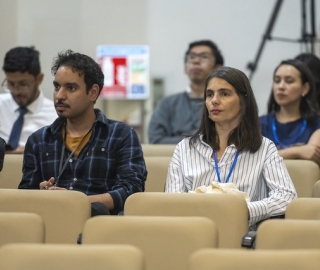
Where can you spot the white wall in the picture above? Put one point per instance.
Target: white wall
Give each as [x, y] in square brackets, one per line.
[236, 26]
[167, 26]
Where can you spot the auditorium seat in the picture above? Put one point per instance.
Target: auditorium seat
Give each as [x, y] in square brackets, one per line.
[66, 257]
[231, 259]
[11, 174]
[63, 212]
[158, 150]
[288, 234]
[304, 208]
[167, 242]
[21, 228]
[304, 175]
[229, 212]
[157, 168]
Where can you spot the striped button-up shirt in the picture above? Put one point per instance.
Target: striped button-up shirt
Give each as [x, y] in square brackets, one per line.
[262, 175]
[112, 161]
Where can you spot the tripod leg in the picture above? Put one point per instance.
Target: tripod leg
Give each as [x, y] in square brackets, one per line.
[267, 35]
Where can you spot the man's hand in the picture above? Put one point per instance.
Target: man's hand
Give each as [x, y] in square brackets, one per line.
[49, 185]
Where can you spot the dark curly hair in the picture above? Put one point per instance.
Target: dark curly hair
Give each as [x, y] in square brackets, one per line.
[22, 59]
[82, 64]
[214, 48]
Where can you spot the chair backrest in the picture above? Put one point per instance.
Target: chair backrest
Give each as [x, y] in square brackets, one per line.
[229, 212]
[66, 257]
[21, 228]
[288, 234]
[158, 150]
[304, 174]
[230, 259]
[316, 190]
[167, 242]
[64, 212]
[157, 173]
[11, 174]
[304, 208]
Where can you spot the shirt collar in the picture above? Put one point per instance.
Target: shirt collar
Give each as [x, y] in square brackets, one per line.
[34, 106]
[59, 122]
[203, 142]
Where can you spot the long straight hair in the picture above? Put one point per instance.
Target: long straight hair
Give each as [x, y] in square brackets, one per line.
[308, 105]
[246, 136]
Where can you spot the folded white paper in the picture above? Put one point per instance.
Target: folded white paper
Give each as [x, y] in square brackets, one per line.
[220, 188]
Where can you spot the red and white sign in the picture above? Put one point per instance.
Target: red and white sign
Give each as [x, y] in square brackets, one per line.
[126, 71]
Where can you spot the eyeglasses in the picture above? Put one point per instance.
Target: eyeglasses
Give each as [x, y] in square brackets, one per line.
[203, 57]
[22, 86]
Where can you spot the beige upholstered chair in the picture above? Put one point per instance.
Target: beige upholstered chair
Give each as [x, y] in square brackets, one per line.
[157, 173]
[158, 150]
[167, 242]
[230, 259]
[21, 228]
[288, 234]
[316, 190]
[11, 173]
[229, 212]
[64, 212]
[304, 208]
[66, 257]
[304, 175]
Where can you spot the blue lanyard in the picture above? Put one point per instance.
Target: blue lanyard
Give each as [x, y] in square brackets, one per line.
[231, 169]
[276, 139]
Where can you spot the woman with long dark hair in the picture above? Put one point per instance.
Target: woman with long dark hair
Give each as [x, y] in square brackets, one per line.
[292, 122]
[228, 147]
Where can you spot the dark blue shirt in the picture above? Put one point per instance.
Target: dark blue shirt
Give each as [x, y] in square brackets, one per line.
[112, 160]
[288, 133]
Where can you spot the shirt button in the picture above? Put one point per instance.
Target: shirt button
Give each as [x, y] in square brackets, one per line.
[70, 160]
[103, 149]
[75, 179]
[70, 187]
[47, 154]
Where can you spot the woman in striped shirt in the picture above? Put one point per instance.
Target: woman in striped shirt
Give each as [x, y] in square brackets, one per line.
[228, 147]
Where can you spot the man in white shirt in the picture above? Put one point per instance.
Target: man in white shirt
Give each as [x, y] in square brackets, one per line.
[23, 78]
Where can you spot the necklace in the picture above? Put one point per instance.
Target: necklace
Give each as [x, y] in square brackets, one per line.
[294, 139]
[231, 169]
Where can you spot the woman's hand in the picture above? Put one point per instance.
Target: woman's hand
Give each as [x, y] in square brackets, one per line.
[310, 152]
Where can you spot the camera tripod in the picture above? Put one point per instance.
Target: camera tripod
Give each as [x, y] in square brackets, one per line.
[307, 38]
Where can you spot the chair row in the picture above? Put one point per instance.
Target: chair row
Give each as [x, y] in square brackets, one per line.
[168, 243]
[305, 174]
[65, 257]
[64, 213]
[119, 257]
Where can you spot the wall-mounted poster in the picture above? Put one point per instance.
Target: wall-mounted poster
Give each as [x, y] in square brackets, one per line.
[126, 71]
